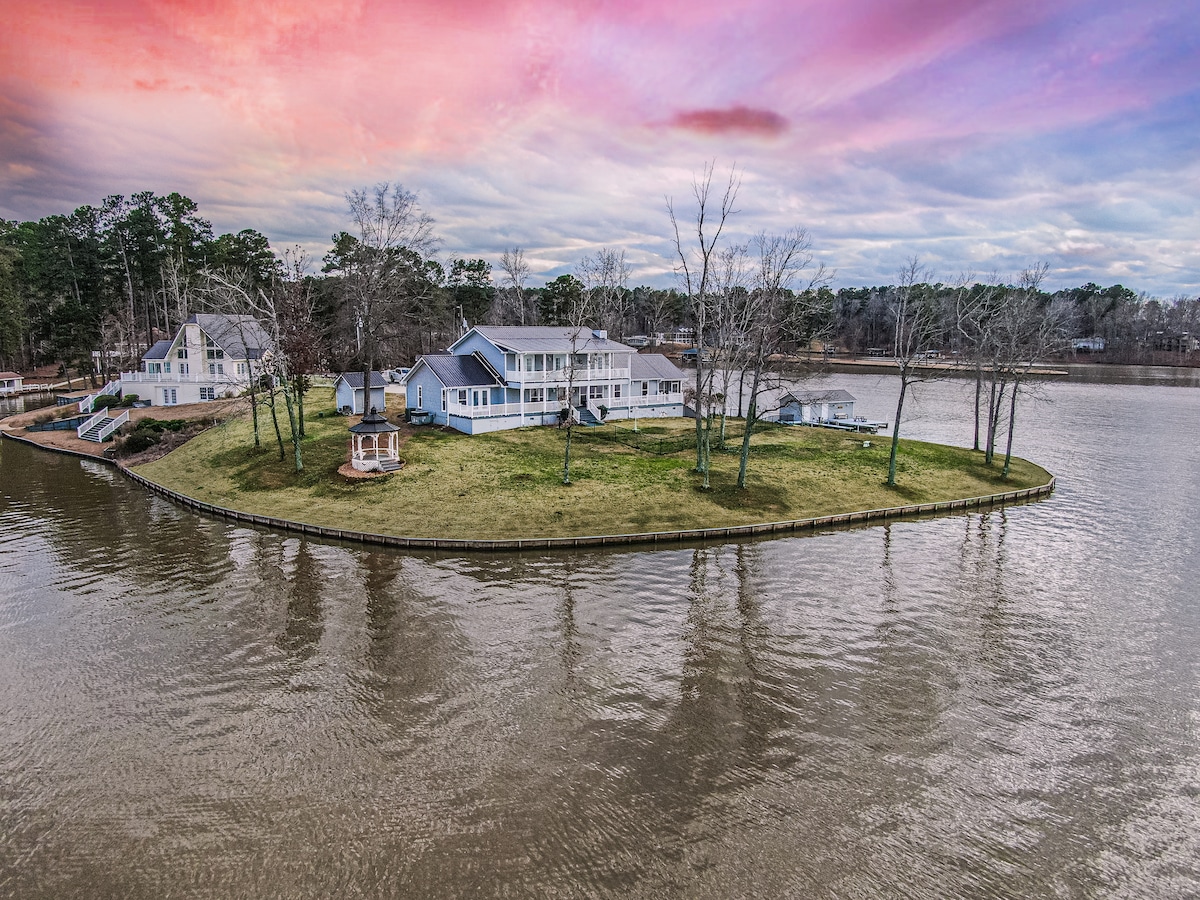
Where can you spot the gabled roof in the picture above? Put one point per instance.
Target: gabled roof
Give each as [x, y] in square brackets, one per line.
[241, 337]
[458, 371]
[355, 380]
[159, 350]
[545, 339]
[654, 365]
[835, 395]
[9, 375]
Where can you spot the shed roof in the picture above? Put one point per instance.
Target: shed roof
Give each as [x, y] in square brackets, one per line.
[547, 339]
[834, 395]
[459, 371]
[9, 375]
[355, 380]
[654, 365]
[159, 350]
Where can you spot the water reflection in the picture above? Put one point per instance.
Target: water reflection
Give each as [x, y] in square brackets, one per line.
[990, 705]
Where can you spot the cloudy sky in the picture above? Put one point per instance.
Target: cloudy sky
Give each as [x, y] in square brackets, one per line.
[981, 136]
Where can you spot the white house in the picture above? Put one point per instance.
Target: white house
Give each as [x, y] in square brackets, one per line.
[10, 383]
[348, 392]
[815, 407]
[213, 355]
[499, 377]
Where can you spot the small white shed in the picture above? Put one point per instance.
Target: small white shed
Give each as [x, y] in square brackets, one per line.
[815, 407]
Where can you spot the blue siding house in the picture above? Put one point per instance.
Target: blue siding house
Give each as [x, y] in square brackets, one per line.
[499, 377]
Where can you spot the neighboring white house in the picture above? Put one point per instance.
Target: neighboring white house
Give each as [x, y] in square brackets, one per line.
[815, 407]
[348, 391]
[10, 383]
[213, 355]
[499, 377]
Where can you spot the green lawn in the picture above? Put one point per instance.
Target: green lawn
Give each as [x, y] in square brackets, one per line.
[508, 484]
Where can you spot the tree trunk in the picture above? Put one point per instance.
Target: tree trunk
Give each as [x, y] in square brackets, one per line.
[751, 419]
[566, 479]
[275, 422]
[1012, 418]
[891, 479]
[978, 399]
[291, 411]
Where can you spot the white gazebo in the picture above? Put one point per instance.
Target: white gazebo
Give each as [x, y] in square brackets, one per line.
[374, 445]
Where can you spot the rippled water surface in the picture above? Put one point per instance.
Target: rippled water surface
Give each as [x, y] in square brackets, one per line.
[1003, 704]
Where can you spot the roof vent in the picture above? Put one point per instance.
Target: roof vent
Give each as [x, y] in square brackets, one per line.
[600, 333]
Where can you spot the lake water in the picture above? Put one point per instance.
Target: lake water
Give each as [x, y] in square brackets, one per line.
[992, 705]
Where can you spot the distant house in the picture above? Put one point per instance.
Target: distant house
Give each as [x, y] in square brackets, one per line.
[815, 407]
[348, 391]
[499, 377]
[10, 383]
[212, 355]
[1088, 345]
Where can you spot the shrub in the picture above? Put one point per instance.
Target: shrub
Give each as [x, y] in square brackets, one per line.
[139, 440]
[129, 399]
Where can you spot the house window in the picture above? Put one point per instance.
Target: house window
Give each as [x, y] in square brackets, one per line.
[535, 363]
[181, 353]
[170, 397]
[462, 398]
[183, 368]
[535, 395]
[444, 393]
[616, 391]
[672, 387]
[212, 350]
[208, 393]
[645, 388]
[167, 368]
[596, 391]
[420, 396]
[216, 368]
[241, 370]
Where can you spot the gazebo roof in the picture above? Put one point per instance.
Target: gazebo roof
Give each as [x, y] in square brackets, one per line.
[373, 423]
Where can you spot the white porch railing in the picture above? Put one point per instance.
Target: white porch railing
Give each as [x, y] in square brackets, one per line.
[177, 378]
[560, 376]
[649, 400]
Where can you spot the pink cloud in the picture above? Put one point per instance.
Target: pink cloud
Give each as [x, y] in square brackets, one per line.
[731, 120]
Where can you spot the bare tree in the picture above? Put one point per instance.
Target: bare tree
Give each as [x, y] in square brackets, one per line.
[516, 274]
[607, 276]
[383, 264]
[579, 313]
[777, 313]
[917, 322]
[696, 269]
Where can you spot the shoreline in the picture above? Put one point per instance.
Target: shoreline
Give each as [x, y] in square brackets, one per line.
[703, 535]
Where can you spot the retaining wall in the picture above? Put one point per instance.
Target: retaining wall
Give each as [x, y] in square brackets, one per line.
[605, 540]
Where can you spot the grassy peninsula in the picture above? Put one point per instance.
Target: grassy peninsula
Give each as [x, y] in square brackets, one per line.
[508, 484]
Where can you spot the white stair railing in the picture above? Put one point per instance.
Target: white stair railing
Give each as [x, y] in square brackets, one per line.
[88, 403]
[113, 425]
[92, 422]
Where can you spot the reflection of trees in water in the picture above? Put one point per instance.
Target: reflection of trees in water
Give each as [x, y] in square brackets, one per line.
[102, 523]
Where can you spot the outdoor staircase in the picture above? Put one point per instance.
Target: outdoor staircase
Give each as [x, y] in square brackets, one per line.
[390, 465]
[101, 426]
[587, 418]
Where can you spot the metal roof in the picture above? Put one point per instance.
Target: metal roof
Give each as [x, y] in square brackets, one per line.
[241, 337]
[546, 339]
[159, 350]
[355, 380]
[373, 423]
[834, 395]
[654, 365]
[458, 371]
